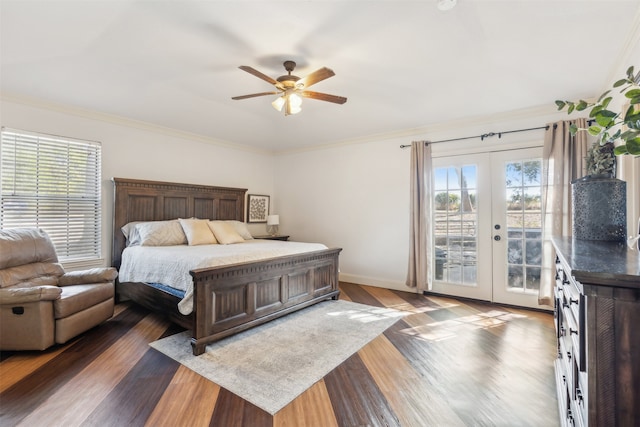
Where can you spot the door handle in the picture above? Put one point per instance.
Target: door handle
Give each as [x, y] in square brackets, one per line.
[497, 238]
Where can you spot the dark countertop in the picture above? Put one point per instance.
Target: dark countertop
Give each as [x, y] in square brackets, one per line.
[606, 263]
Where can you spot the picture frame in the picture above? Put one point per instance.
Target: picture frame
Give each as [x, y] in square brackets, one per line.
[257, 208]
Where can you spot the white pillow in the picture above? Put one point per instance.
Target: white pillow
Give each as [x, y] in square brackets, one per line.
[241, 228]
[131, 235]
[197, 231]
[161, 233]
[225, 232]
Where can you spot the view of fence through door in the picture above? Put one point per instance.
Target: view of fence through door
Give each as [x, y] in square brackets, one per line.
[487, 226]
[455, 225]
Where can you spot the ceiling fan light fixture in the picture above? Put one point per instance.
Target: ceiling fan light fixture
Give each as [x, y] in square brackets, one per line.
[295, 100]
[279, 103]
[291, 89]
[293, 104]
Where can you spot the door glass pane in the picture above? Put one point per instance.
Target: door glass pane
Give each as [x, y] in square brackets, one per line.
[455, 224]
[524, 225]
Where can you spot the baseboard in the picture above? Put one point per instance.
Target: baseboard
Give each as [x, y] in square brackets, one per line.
[379, 283]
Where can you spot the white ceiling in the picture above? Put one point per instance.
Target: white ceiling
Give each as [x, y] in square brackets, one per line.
[401, 64]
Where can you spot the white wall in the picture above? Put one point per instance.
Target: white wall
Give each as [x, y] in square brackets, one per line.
[133, 150]
[356, 196]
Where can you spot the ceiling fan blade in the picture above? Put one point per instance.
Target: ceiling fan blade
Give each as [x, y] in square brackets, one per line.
[316, 76]
[253, 95]
[258, 74]
[323, 97]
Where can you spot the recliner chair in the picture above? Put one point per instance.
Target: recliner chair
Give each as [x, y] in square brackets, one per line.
[40, 304]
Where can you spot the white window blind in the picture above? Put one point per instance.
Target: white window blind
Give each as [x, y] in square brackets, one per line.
[53, 183]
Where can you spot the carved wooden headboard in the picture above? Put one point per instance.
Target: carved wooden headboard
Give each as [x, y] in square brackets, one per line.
[138, 200]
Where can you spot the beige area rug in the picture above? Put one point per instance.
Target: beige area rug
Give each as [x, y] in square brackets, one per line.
[270, 365]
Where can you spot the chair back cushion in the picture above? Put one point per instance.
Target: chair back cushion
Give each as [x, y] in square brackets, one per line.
[28, 256]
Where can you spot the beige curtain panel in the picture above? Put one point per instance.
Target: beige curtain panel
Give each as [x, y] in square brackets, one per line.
[563, 160]
[419, 275]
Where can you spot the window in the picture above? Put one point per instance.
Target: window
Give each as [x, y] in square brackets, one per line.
[53, 183]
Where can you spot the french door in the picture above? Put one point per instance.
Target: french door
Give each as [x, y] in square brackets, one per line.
[487, 226]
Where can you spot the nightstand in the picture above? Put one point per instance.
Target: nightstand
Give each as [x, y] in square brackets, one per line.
[270, 237]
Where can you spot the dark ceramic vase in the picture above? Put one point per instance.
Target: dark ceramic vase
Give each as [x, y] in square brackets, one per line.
[599, 208]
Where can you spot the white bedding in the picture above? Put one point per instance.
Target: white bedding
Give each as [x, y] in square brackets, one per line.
[170, 265]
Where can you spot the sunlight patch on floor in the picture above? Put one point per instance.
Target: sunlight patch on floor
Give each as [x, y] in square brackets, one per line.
[438, 331]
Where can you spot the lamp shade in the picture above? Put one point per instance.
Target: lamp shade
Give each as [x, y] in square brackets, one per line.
[273, 219]
[278, 103]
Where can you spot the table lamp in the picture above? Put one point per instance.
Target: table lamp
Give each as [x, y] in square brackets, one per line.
[272, 224]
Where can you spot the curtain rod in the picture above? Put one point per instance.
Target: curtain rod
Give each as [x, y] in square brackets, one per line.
[490, 134]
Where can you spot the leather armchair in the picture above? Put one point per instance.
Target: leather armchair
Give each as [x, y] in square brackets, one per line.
[40, 304]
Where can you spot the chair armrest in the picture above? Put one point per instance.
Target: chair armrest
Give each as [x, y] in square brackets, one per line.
[16, 295]
[94, 275]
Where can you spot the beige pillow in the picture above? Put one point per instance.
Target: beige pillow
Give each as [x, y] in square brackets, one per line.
[225, 232]
[241, 228]
[197, 231]
[160, 233]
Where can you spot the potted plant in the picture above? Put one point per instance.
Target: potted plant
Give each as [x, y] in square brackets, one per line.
[601, 160]
[599, 199]
[610, 126]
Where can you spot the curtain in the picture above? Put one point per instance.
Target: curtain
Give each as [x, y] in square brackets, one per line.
[420, 238]
[563, 160]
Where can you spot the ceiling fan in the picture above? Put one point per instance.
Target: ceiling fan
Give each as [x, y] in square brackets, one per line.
[291, 88]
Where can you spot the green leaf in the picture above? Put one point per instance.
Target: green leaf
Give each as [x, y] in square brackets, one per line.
[619, 82]
[635, 100]
[616, 135]
[560, 104]
[630, 72]
[582, 105]
[573, 129]
[594, 130]
[603, 95]
[571, 108]
[605, 117]
[620, 150]
[606, 101]
[632, 93]
[595, 110]
[631, 115]
[633, 124]
[630, 134]
[633, 146]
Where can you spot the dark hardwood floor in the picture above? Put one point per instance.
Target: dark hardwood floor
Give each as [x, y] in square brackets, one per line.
[446, 363]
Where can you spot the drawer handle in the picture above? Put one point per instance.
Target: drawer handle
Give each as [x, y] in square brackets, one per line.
[573, 331]
[574, 301]
[569, 356]
[579, 395]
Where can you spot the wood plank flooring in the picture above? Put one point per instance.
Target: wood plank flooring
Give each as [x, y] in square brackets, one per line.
[446, 363]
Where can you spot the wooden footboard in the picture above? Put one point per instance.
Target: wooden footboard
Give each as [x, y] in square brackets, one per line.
[236, 297]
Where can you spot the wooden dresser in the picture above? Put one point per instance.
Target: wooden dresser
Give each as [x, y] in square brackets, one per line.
[597, 313]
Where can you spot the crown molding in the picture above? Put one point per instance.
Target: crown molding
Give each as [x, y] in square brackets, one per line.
[418, 133]
[126, 122]
[422, 133]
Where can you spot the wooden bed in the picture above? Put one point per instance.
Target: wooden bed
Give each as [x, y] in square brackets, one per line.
[227, 299]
